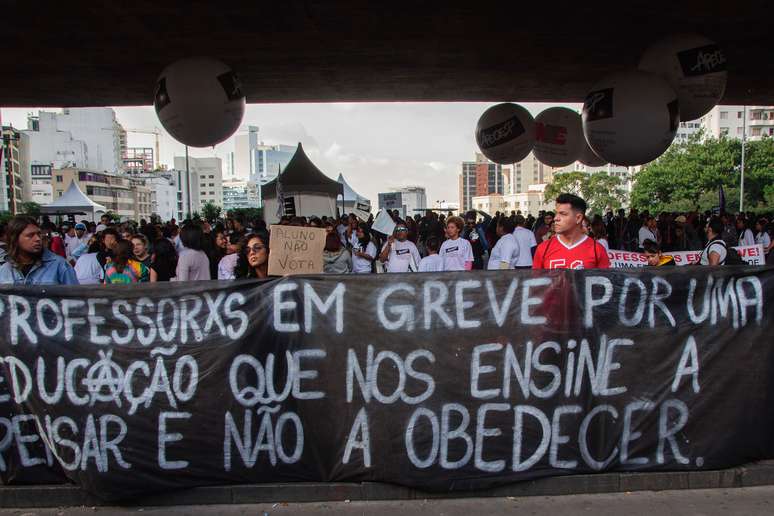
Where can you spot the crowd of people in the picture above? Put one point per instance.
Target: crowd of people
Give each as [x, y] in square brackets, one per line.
[40, 252]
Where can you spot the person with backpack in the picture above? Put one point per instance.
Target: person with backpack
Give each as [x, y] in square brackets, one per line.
[717, 252]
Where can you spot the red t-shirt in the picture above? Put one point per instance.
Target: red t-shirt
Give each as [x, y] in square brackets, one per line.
[584, 254]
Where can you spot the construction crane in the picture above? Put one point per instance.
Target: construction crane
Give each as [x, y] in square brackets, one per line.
[155, 131]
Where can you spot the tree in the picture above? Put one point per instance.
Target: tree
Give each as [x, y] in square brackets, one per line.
[30, 208]
[600, 190]
[689, 174]
[211, 212]
[5, 216]
[112, 216]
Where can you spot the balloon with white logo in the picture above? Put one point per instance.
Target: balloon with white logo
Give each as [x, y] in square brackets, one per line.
[630, 118]
[505, 133]
[558, 136]
[694, 66]
[199, 101]
[588, 158]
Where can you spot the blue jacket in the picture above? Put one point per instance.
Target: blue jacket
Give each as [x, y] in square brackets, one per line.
[52, 269]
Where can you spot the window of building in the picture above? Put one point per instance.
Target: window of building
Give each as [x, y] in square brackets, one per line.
[756, 131]
[724, 131]
[738, 114]
[59, 179]
[724, 115]
[739, 131]
[212, 177]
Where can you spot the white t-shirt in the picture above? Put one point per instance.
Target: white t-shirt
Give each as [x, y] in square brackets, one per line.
[505, 250]
[431, 263]
[88, 270]
[401, 256]
[361, 265]
[764, 239]
[455, 253]
[226, 266]
[646, 234]
[603, 243]
[746, 238]
[716, 246]
[525, 241]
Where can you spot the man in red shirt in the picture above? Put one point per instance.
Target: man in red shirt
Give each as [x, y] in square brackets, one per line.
[571, 248]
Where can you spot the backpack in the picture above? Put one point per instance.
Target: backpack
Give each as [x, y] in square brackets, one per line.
[732, 256]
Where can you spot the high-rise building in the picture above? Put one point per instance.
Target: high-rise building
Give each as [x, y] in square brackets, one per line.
[137, 160]
[408, 200]
[14, 169]
[89, 138]
[479, 177]
[730, 121]
[239, 194]
[40, 191]
[269, 161]
[163, 189]
[242, 160]
[202, 184]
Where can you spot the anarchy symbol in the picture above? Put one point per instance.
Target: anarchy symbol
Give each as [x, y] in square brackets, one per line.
[105, 373]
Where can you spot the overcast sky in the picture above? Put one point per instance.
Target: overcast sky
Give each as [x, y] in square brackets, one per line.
[377, 146]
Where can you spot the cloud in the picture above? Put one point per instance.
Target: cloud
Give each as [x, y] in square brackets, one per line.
[437, 165]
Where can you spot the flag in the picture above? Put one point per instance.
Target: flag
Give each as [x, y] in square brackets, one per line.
[280, 196]
[721, 199]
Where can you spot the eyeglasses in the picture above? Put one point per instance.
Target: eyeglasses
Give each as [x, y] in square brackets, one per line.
[256, 249]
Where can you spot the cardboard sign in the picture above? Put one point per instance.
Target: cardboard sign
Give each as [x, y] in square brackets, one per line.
[383, 223]
[362, 210]
[295, 250]
[751, 254]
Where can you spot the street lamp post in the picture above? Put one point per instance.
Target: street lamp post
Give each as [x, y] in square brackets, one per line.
[744, 141]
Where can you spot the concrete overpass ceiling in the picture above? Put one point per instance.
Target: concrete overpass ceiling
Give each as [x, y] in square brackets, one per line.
[110, 53]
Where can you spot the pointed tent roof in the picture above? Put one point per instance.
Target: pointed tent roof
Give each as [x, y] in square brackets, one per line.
[349, 194]
[73, 200]
[301, 175]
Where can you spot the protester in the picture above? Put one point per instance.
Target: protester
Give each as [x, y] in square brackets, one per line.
[648, 231]
[228, 263]
[475, 234]
[456, 252]
[336, 258]
[570, 249]
[164, 260]
[216, 248]
[140, 249]
[28, 261]
[525, 243]
[432, 262]
[715, 251]
[400, 254]
[654, 256]
[193, 263]
[363, 251]
[124, 270]
[762, 237]
[746, 236]
[88, 268]
[599, 232]
[3, 244]
[253, 260]
[505, 252]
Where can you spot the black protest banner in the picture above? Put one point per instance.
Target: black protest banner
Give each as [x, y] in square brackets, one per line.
[445, 381]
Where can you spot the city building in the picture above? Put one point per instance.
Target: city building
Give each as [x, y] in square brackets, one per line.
[163, 189]
[478, 178]
[14, 169]
[202, 184]
[242, 157]
[409, 200]
[123, 195]
[41, 191]
[730, 121]
[529, 171]
[137, 160]
[530, 202]
[89, 138]
[239, 194]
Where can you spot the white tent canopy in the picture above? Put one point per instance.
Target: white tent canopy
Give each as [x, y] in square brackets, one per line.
[350, 197]
[74, 202]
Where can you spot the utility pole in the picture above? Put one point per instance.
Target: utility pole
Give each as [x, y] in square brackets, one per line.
[744, 141]
[187, 182]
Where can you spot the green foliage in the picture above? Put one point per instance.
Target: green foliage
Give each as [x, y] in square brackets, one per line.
[112, 216]
[689, 174]
[30, 208]
[599, 190]
[211, 212]
[5, 216]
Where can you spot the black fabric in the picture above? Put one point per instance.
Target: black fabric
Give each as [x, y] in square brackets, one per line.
[635, 370]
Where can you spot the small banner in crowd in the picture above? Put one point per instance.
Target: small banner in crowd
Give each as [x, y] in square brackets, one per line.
[439, 381]
[751, 254]
[296, 250]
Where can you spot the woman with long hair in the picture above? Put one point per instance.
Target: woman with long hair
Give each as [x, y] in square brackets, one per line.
[192, 263]
[123, 269]
[164, 259]
[253, 261]
[217, 249]
[363, 251]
